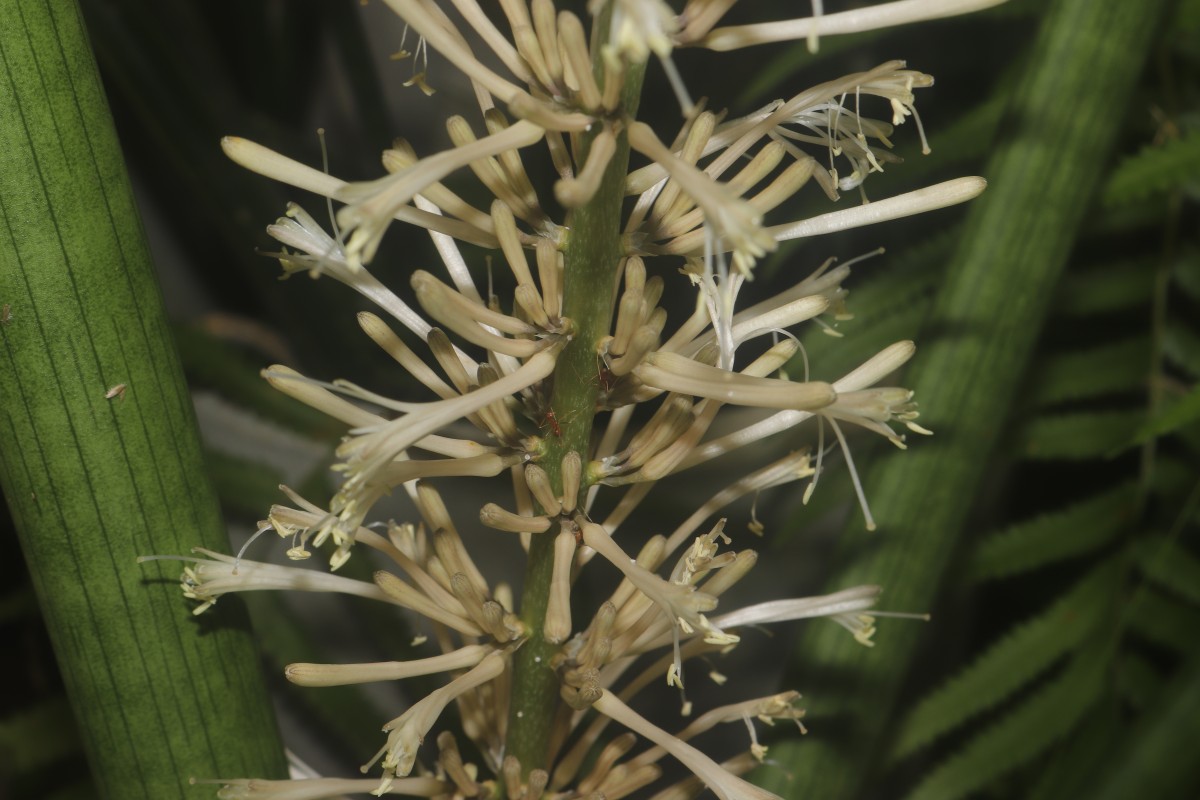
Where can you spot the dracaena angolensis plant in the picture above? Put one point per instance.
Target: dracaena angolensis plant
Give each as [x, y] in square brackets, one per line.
[578, 345]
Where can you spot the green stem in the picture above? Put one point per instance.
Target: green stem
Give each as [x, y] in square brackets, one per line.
[592, 257]
[1158, 325]
[99, 456]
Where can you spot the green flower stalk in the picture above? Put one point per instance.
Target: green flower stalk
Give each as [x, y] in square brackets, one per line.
[539, 388]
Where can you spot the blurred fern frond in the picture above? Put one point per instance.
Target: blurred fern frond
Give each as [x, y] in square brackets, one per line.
[1100, 482]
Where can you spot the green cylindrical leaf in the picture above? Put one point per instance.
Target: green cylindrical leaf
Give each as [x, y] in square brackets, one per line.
[98, 452]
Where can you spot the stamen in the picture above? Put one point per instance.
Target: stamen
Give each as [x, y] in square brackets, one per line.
[241, 552]
[858, 490]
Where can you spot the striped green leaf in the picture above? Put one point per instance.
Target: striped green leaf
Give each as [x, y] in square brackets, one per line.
[99, 457]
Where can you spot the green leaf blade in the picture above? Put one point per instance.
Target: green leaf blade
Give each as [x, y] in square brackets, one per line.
[1049, 538]
[1012, 662]
[1171, 566]
[1077, 436]
[1045, 718]
[1157, 169]
[1098, 371]
[1153, 760]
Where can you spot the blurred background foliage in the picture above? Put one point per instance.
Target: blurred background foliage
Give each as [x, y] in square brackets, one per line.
[1062, 658]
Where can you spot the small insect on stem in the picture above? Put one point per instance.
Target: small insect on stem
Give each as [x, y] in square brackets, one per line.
[552, 421]
[116, 391]
[604, 376]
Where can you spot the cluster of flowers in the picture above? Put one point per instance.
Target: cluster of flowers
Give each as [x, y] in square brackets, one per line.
[515, 374]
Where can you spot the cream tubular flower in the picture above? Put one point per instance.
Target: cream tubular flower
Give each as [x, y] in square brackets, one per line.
[680, 602]
[347, 674]
[792, 467]
[920, 201]
[447, 41]
[372, 205]
[826, 283]
[641, 27]
[874, 369]
[325, 256]
[733, 222]
[370, 449]
[874, 408]
[558, 611]
[765, 709]
[675, 373]
[847, 601]
[406, 732]
[724, 785]
[494, 39]
[881, 15]
[699, 16]
[320, 788]
[277, 166]
[931, 198]
[819, 117]
[775, 315]
[846, 608]
[210, 578]
[473, 321]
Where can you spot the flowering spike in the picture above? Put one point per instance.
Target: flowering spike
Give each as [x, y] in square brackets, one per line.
[567, 377]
